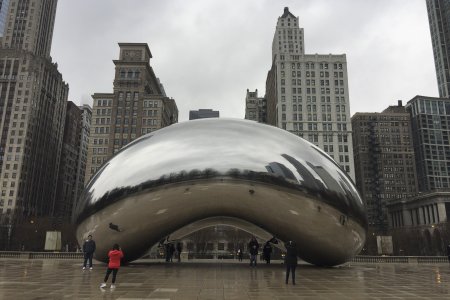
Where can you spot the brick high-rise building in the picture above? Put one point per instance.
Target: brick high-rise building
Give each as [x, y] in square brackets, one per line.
[307, 94]
[138, 105]
[255, 107]
[384, 161]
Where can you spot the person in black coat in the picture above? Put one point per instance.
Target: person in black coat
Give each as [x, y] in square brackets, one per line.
[170, 249]
[179, 249]
[290, 260]
[88, 250]
[267, 251]
[448, 252]
[253, 248]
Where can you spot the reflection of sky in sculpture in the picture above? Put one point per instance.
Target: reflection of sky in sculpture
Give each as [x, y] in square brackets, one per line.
[221, 145]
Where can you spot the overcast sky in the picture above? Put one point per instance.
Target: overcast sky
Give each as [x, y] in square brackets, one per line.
[207, 53]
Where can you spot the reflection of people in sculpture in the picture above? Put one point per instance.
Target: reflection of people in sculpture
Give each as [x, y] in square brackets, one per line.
[267, 251]
[170, 249]
[240, 254]
[253, 248]
[114, 227]
[179, 249]
[291, 260]
[448, 252]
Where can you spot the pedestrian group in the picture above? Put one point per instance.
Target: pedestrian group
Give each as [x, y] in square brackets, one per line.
[115, 255]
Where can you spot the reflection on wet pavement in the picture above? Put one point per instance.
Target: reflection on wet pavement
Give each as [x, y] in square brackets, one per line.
[64, 279]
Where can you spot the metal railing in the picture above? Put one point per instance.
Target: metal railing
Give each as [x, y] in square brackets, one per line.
[41, 255]
[206, 256]
[399, 259]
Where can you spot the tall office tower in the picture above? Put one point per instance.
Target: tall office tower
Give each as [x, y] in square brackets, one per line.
[255, 107]
[439, 19]
[68, 167]
[203, 113]
[3, 13]
[138, 105]
[86, 117]
[430, 118]
[33, 99]
[384, 161]
[30, 26]
[307, 94]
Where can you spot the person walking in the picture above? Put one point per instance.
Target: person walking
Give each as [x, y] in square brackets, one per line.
[253, 248]
[267, 251]
[88, 250]
[179, 249]
[113, 265]
[448, 252]
[291, 260]
[240, 254]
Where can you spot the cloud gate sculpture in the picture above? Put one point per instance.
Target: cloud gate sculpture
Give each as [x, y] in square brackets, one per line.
[213, 169]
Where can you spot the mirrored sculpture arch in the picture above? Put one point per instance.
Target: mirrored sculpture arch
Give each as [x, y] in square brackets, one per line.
[223, 168]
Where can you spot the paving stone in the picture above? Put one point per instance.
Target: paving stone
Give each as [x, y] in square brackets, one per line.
[64, 279]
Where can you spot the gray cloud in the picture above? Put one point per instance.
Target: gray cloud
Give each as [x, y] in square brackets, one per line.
[207, 52]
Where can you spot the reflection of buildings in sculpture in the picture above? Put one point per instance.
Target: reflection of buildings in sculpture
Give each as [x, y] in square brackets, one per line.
[220, 241]
[203, 113]
[326, 182]
[138, 105]
[307, 94]
[281, 170]
[327, 179]
[308, 179]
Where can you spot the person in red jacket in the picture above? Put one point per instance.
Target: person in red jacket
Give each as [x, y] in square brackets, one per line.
[113, 266]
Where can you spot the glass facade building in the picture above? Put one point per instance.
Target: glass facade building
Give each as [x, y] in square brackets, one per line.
[3, 11]
[439, 19]
[430, 119]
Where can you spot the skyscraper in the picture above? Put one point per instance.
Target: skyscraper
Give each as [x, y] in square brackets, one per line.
[86, 118]
[68, 168]
[31, 26]
[33, 99]
[430, 119]
[307, 94]
[439, 19]
[384, 161]
[138, 105]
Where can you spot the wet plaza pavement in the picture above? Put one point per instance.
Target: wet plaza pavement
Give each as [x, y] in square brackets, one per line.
[64, 279]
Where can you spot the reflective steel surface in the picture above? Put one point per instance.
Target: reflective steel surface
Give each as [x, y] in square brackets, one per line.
[233, 168]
